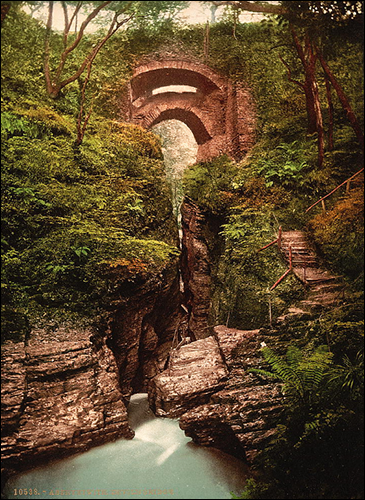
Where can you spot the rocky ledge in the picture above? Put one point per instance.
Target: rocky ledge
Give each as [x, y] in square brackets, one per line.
[60, 394]
[219, 402]
[195, 372]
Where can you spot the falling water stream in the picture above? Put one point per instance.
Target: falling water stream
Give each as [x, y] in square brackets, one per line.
[159, 462]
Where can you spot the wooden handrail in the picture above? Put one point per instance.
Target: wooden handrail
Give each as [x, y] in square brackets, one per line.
[333, 190]
[278, 241]
[286, 272]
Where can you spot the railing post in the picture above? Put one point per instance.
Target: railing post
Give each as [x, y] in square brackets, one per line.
[270, 312]
[290, 258]
[279, 238]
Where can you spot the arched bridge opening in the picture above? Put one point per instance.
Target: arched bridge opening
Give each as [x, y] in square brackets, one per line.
[219, 113]
[188, 117]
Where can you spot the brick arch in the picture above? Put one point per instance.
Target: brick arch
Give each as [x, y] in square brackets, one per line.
[195, 124]
[220, 115]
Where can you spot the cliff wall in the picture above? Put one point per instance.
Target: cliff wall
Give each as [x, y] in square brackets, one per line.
[200, 247]
[66, 388]
[60, 395]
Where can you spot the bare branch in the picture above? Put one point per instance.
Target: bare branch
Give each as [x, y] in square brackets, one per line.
[253, 7]
[298, 47]
[91, 56]
[115, 25]
[66, 28]
[289, 74]
[76, 11]
[69, 49]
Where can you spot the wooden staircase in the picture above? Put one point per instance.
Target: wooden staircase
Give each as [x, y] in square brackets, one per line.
[324, 288]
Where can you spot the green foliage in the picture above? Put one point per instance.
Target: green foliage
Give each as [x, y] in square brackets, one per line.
[343, 328]
[243, 276]
[284, 165]
[312, 382]
[12, 124]
[21, 57]
[349, 376]
[322, 432]
[71, 216]
[339, 233]
[304, 378]
[210, 183]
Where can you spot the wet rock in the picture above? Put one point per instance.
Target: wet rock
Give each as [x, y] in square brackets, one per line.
[195, 372]
[220, 403]
[60, 395]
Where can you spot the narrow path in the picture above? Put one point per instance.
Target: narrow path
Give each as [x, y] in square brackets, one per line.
[324, 289]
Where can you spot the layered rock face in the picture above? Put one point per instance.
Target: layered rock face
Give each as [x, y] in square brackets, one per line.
[235, 411]
[60, 394]
[195, 372]
[66, 388]
[196, 270]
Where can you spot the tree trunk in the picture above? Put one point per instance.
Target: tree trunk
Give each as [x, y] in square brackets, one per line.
[5, 7]
[310, 104]
[330, 114]
[310, 87]
[53, 83]
[344, 101]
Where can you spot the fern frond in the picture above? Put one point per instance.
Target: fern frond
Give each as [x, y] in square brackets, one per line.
[294, 356]
[312, 376]
[264, 373]
[285, 372]
[321, 357]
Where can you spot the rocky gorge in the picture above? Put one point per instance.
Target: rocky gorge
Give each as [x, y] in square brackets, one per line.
[160, 306]
[66, 388]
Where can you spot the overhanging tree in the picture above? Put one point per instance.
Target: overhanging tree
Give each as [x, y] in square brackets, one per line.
[55, 80]
[315, 19]
[123, 12]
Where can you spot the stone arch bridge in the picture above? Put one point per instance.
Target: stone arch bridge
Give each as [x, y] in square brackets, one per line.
[220, 114]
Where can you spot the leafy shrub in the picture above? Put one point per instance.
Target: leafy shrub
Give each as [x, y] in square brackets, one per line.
[285, 165]
[12, 124]
[339, 233]
[69, 215]
[210, 183]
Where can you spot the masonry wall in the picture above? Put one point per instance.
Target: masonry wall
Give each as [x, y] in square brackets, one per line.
[220, 114]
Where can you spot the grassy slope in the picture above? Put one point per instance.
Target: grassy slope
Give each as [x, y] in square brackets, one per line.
[70, 215]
